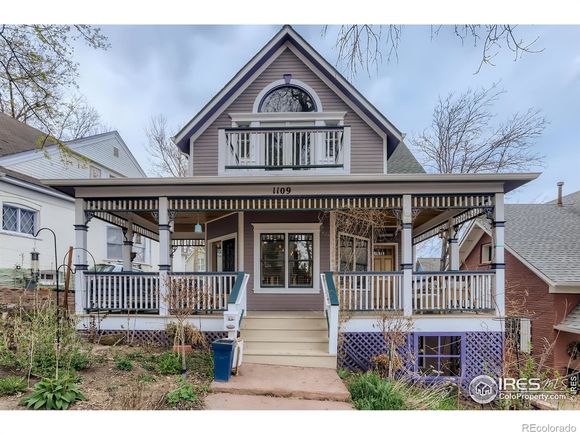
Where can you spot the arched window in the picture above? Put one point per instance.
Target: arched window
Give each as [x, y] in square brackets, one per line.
[287, 98]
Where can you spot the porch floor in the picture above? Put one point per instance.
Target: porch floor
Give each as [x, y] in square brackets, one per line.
[284, 381]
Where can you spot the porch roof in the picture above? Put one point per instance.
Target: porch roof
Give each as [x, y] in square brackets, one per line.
[395, 183]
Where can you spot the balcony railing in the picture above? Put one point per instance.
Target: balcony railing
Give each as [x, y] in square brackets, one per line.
[285, 148]
[456, 291]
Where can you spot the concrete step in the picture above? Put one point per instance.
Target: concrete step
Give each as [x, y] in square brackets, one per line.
[296, 359]
[284, 323]
[283, 334]
[285, 346]
[286, 314]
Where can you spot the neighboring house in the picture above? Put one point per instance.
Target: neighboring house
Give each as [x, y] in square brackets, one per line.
[427, 264]
[309, 203]
[28, 206]
[542, 243]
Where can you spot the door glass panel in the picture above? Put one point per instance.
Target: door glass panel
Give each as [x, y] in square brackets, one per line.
[272, 260]
[300, 260]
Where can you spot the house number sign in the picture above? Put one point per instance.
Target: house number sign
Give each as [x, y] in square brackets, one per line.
[281, 190]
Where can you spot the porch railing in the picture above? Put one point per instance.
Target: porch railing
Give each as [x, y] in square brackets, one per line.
[277, 148]
[331, 307]
[453, 291]
[122, 291]
[370, 291]
[237, 305]
[207, 291]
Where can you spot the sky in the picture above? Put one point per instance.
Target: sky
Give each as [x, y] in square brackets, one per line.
[176, 70]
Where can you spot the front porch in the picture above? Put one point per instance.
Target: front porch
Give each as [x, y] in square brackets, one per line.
[303, 243]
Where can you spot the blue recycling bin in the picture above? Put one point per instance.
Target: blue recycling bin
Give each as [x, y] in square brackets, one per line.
[223, 357]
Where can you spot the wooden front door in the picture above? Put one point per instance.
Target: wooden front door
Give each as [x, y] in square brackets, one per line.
[384, 260]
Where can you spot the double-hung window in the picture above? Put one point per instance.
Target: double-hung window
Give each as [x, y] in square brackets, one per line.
[286, 259]
[354, 253]
[439, 355]
[114, 243]
[19, 219]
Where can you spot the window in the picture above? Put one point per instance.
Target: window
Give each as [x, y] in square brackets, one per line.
[139, 248]
[115, 151]
[354, 253]
[487, 253]
[19, 220]
[438, 355]
[286, 259]
[94, 172]
[518, 333]
[287, 99]
[114, 243]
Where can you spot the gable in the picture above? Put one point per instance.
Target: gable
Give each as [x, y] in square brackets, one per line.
[367, 146]
[287, 37]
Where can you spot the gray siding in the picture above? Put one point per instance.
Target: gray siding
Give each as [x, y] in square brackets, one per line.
[366, 145]
[282, 302]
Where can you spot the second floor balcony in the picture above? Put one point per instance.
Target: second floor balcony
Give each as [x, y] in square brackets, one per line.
[282, 150]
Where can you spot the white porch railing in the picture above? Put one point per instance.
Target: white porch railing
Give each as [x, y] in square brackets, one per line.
[237, 305]
[135, 292]
[277, 148]
[209, 291]
[370, 291]
[453, 291]
[331, 307]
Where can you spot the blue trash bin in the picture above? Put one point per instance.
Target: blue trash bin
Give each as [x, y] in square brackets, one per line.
[223, 357]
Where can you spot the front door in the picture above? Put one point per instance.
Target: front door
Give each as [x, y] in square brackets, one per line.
[229, 255]
[384, 260]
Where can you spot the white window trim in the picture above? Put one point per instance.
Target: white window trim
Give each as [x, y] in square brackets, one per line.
[292, 82]
[369, 250]
[208, 262]
[313, 228]
[483, 260]
[20, 207]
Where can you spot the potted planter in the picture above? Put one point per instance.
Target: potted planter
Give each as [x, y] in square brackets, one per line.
[182, 348]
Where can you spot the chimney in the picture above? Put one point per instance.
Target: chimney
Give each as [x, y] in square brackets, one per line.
[560, 184]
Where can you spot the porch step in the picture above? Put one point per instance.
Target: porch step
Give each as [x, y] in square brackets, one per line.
[287, 338]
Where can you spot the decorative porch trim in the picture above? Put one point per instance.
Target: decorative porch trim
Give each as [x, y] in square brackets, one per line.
[141, 204]
[452, 201]
[187, 242]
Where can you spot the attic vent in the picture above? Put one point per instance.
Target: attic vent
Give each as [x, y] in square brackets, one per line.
[116, 151]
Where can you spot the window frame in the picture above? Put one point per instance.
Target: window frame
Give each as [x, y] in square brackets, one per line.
[483, 247]
[461, 355]
[287, 229]
[19, 208]
[369, 251]
[109, 258]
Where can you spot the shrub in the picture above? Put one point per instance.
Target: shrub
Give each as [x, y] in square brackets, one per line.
[201, 363]
[193, 335]
[168, 363]
[145, 377]
[54, 394]
[122, 362]
[12, 385]
[371, 392]
[183, 393]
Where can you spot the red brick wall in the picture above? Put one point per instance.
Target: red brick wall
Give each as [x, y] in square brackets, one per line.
[26, 298]
[528, 295]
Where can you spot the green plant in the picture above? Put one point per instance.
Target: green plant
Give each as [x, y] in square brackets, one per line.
[12, 385]
[371, 392]
[54, 394]
[145, 377]
[168, 363]
[200, 362]
[122, 362]
[183, 393]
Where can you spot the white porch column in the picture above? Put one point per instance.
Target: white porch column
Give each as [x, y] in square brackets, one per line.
[128, 247]
[164, 260]
[453, 247]
[407, 255]
[499, 259]
[80, 255]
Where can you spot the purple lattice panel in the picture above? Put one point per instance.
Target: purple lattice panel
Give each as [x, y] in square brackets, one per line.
[483, 356]
[358, 348]
[215, 335]
[157, 337]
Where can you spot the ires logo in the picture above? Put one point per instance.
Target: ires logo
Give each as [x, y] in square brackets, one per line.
[519, 384]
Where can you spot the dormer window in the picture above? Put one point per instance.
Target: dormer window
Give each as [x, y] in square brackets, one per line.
[287, 98]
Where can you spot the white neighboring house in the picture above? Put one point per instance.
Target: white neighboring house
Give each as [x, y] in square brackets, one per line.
[27, 205]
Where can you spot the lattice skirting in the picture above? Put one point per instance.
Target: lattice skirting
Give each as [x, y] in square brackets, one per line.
[158, 338]
[482, 354]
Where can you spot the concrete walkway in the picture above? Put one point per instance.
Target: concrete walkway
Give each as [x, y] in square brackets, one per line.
[261, 386]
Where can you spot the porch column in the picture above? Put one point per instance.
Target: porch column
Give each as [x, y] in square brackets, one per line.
[453, 247]
[499, 259]
[407, 255]
[128, 247]
[80, 255]
[164, 260]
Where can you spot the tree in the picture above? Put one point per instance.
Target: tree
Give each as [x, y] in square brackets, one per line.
[37, 68]
[78, 119]
[464, 137]
[363, 45]
[165, 157]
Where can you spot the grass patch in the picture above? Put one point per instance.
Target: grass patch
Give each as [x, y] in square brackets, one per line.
[182, 394]
[122, 362]
[369, 391]
[12, 385]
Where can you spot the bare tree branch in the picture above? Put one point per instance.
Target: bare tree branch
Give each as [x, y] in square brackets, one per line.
[463, 137]
[165, 157]
[363, 45]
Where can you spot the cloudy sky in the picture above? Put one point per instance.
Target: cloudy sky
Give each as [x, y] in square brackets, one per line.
[175, 70]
